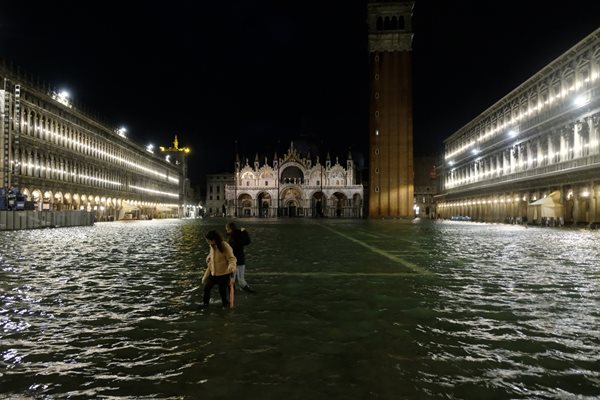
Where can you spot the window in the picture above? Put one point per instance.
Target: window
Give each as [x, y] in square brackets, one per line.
[266, 183]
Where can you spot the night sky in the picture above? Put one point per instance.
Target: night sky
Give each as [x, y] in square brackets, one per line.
[263, 73]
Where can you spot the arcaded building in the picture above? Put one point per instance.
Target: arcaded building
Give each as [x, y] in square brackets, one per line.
[390, 112]
[295, 185]
[60, 158]
[534, 155]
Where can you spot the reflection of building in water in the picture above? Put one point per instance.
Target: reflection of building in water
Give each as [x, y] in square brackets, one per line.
[541, 141]
[294, 186]
[63, 159]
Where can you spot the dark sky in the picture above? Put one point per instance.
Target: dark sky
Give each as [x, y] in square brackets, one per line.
[266, 72]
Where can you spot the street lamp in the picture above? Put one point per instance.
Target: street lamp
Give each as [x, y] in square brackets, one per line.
[62, 97]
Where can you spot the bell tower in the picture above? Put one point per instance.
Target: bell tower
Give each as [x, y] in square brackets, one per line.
[391, 177]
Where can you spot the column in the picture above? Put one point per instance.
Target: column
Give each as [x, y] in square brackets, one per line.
[577, 143]
[594, 217]
[594, 127]
[511, 157]
[575, 205]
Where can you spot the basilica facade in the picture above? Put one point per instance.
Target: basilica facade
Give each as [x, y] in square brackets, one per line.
[295, 185]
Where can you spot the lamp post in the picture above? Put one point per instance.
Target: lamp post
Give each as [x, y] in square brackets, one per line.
[180, 153]
[235, 183]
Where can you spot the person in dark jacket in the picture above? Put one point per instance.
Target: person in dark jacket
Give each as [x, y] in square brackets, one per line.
[238, 239]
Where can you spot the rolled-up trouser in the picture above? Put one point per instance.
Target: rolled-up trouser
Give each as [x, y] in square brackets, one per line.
[239, 275]
[223, 282]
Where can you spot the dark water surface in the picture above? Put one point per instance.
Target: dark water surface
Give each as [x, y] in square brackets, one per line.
[344, 310]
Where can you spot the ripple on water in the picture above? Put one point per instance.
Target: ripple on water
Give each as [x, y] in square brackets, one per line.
[111, 311]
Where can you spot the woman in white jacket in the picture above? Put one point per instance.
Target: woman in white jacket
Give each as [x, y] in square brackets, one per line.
[221, 267]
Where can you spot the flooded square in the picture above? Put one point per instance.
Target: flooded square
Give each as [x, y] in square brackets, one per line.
[381, 309]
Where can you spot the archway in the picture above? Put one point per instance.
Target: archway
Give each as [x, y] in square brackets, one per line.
[291, 207]
[245, 205]
[36, 197]
[292, 175]
[339, 202]
[291, 199]
[58, 201]
[47, 201]
[264, 204]
[318, 204]
[68, 201]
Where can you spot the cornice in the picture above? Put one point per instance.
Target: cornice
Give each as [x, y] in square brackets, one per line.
[390, 41]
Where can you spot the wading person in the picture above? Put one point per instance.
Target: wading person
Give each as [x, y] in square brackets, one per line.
[238, 239]
[220, 267]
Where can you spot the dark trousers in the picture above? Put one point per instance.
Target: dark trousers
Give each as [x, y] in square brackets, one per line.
[223, 282]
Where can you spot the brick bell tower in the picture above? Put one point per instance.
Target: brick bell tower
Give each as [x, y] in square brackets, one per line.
[391, 186]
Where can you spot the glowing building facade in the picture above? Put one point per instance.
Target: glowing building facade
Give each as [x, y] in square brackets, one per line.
[535, 153]
[61, 159]
[294, 186]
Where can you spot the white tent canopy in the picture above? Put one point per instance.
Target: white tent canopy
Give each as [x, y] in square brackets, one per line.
[549, 206]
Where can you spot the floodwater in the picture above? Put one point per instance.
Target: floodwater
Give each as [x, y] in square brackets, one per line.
[343, 310]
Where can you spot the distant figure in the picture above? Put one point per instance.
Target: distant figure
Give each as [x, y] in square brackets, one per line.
[238, 239]
[224, 210]
[220, 267]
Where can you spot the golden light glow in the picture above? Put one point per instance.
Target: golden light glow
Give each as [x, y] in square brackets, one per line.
[175, 147]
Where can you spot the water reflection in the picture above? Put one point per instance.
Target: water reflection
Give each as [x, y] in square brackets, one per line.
[488, 311]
